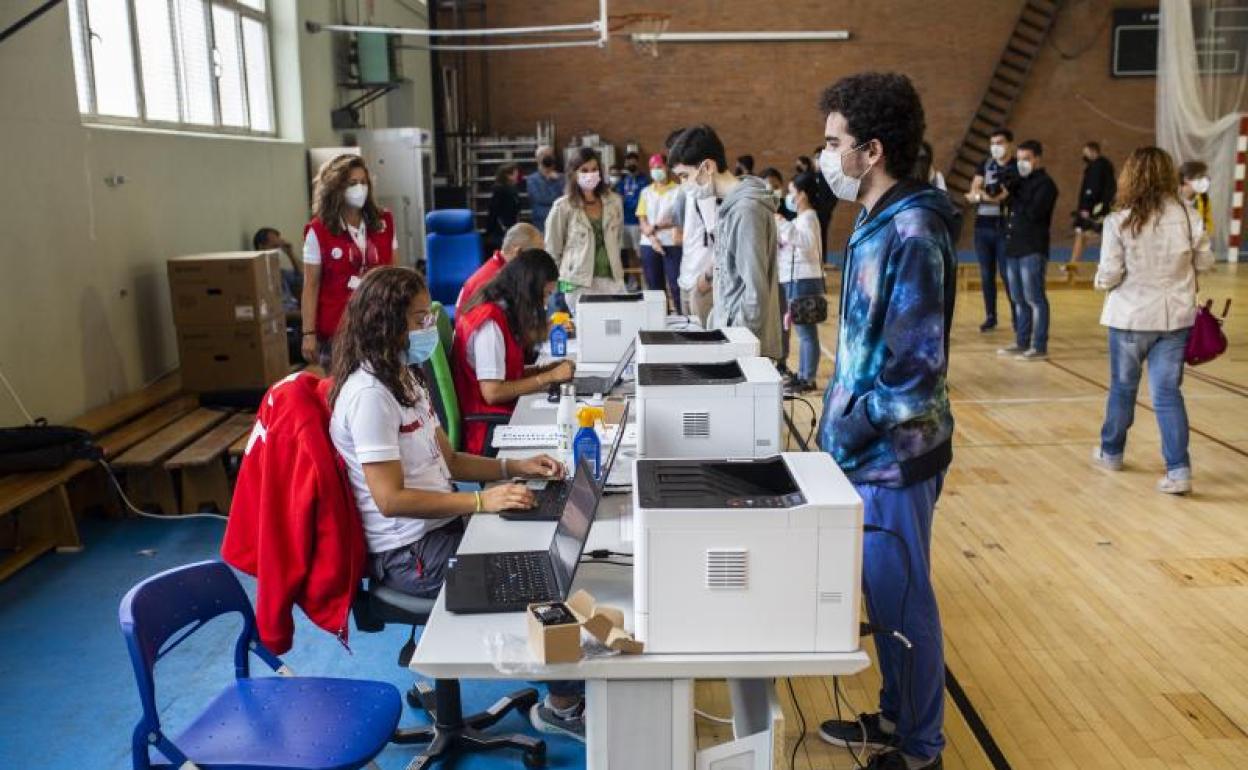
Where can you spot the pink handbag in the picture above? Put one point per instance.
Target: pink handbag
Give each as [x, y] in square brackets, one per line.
[1207, 341]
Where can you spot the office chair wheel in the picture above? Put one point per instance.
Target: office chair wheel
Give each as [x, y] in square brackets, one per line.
[536, 757]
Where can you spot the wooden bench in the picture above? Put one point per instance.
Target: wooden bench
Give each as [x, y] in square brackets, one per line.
[41, 506]
[149, 485]
[201, 466]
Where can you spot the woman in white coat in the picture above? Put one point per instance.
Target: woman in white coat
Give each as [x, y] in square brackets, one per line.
[1153, 248]
[584, 231]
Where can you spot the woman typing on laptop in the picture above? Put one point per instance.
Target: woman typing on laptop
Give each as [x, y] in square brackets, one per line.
[493, 335]
[398, 458]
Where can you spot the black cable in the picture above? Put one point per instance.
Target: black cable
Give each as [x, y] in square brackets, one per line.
[603, 553]
[801, 718]
[612, 562]
[836, 697]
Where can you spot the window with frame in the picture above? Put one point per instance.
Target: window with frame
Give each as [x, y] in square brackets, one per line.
[194, 65]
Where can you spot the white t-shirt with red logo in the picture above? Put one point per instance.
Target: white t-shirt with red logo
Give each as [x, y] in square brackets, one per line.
[369, 425]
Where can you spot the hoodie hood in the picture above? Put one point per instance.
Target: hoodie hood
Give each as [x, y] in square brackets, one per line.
[748, 188]
[922, 199]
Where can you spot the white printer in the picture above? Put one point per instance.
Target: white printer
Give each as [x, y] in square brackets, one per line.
[607, 323]
[754, 555]
[695, 346]
[730, 409]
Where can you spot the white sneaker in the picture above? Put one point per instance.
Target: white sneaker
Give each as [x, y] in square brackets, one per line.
[1012, 350]
[1107, 461]
[1171, 486]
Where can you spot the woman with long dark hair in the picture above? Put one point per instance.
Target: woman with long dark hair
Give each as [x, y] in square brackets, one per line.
[398, 459]
[493, 335]
[800, 274]
[347, 236]
[1154, 246]
[584, 231]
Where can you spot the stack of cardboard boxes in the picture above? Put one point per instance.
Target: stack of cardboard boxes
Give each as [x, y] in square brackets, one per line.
[231, 326]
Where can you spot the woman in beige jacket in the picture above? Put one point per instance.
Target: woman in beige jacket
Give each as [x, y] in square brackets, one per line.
[1154, 246]
[584, 230]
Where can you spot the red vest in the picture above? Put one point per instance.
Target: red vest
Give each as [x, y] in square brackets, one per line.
[340, 261]
[467, 387]
[484, 275]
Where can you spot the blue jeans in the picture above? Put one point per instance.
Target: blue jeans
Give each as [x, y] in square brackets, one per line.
[990, 251]
[807, 334]
[1031, 304]
[912, 697]
[661, 271]
[1128, 350]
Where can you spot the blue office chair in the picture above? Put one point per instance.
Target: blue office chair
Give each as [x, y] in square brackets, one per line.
[452, 254]
[263, 723]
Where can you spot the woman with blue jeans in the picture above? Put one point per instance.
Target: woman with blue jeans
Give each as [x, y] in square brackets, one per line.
[1153, 249]
[800, 255]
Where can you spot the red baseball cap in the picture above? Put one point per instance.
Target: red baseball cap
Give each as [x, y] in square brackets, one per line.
[657, 161]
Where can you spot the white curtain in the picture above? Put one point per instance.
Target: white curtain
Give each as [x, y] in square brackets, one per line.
[1198, 114]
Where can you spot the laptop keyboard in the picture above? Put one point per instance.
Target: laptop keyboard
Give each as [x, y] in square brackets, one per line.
[551, 498]
[518, 578]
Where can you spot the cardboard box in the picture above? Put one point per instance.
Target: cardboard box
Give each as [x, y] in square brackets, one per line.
[233, 357]
[554, 641]
[237, 287]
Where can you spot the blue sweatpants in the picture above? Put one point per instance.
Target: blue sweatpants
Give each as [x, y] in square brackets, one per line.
[912, 699]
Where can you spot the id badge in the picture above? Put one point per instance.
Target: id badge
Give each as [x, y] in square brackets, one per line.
[353, 283]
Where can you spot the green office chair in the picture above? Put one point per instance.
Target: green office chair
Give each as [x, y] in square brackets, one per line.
[445, 401]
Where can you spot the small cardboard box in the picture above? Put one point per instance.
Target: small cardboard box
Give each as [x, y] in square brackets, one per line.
[606, 624]
[551, 640]
[234, 357]
[236, 287]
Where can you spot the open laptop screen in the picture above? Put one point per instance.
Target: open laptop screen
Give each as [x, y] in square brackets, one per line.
[621, 365]
[573, 529]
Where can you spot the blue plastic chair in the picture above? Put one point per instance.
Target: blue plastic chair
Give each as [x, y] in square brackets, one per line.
[263, 723]
[452, 254]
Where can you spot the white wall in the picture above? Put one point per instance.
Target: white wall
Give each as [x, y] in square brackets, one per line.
[84, 311]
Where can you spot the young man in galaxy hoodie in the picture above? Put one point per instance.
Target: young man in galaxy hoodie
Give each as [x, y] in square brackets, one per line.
[886, 418]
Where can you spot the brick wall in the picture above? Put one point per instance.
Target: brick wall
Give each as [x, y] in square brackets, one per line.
[761, 97]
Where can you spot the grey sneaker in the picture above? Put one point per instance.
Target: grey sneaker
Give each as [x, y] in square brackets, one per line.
[1107, 461]
[1174, 485]
[1012, 350]
[546, 720]
[1033, 355]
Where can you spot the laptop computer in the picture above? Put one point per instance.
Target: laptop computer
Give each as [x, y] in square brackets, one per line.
[589, 384]
[554, 494]
[511, 581]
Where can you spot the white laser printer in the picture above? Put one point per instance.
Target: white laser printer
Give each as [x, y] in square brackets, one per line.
[754, 555]
[695, 346]
[607, 323]
[730, 409]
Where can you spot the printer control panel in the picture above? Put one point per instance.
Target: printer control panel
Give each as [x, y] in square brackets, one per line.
[767, 501]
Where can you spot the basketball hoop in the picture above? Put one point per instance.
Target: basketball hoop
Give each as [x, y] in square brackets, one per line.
[644, 30]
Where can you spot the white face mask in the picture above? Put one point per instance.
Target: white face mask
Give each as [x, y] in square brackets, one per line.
[790, 202]
[1025, 168]
[844, 187]
[588, 180]
[1201, 185]
[356, 195]
[615, 179]
[659, 175]
[997, 151]
[699, 190]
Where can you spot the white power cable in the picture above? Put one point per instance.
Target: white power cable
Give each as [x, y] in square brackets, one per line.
[16, 399]
[712, 717]
[140, 512]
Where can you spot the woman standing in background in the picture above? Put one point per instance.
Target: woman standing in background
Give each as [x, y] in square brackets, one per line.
[585, 229]
[504, 208]
[800, 274]
[348, 236]
[1154, 247]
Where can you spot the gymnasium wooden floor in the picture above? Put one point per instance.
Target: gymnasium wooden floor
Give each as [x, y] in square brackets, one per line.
[1091, 621]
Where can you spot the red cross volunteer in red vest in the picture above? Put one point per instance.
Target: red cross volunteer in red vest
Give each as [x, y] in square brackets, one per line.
[493, 336]
[348, 236]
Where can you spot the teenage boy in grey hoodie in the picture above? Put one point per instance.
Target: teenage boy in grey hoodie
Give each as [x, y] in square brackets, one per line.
[744, 277]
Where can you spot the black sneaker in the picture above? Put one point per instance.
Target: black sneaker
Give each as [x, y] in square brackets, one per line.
[894, 760]
[988, 326]
[849, 734]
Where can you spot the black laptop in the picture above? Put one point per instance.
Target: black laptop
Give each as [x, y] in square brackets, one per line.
[588, 385]
[552, 496]
[511, 581]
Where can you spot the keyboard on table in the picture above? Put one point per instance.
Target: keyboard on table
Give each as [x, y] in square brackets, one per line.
[518, 578]
[525, 436]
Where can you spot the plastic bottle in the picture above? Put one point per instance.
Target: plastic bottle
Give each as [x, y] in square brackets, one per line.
[567, 422]
[587, 446]
[558, 341]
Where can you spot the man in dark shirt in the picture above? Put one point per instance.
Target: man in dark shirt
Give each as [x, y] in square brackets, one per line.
[1033, 195]
[988, 195]
[1096, 196]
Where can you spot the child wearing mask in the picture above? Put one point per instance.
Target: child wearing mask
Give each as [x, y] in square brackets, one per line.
[1194, 190]
[661, 243]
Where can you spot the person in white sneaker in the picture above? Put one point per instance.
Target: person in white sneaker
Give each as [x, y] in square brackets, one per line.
[1154, 247]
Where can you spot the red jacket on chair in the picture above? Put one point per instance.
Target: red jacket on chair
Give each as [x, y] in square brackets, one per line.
[293, 523]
